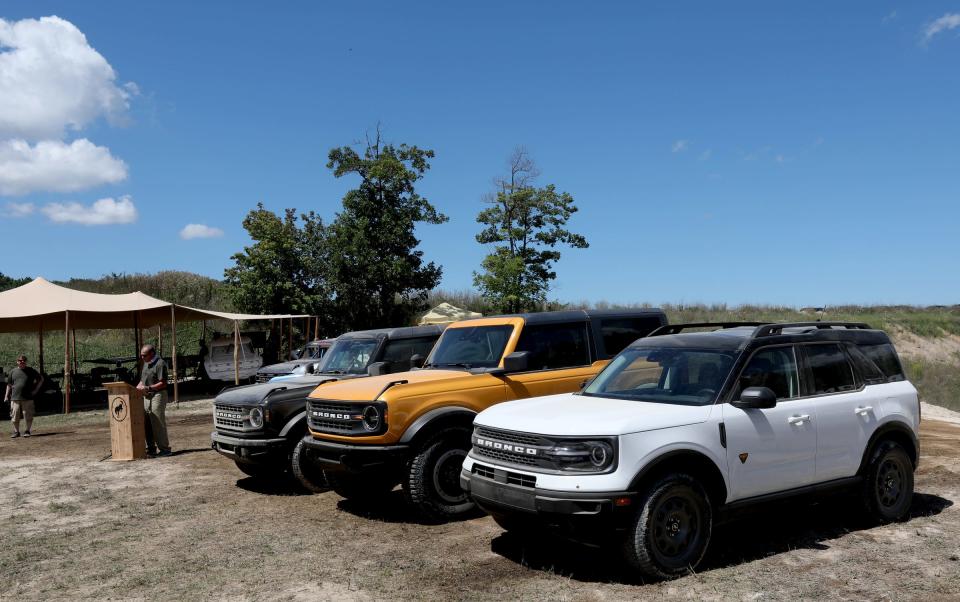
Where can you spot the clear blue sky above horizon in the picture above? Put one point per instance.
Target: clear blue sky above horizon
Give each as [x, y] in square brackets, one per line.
[741, 153]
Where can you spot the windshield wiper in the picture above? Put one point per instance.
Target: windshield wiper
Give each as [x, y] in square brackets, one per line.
[333, 372]
[456, 365]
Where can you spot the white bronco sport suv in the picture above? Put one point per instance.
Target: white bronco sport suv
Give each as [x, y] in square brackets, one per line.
[683, 427]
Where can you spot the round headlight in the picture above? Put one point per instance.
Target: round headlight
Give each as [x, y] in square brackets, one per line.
[600, 454]
[371, 418]
[256, 418]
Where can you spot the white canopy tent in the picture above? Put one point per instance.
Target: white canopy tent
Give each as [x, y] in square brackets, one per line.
[41, 305]
[445, 313]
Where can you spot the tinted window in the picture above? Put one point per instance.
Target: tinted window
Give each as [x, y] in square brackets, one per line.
[471, 347]
[774, 368]
[348, 356]
[885, 357]
[555, 345]
[617, 333]
[830, 369]
[868, 370]
[399, 351]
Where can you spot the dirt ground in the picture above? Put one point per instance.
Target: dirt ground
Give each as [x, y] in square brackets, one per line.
[193, 527]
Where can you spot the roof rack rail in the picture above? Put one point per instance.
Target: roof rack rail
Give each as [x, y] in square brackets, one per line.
[767, 330]
[676, 328]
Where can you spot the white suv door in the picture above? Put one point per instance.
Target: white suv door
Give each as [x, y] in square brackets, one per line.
[771, 449]
[847, 412]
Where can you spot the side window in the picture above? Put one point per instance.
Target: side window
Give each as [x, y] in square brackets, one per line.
[774, 368]
[885, 357]
[868, 370]
[401, 350]
[829, 368]
[555, 345]
[617, 333]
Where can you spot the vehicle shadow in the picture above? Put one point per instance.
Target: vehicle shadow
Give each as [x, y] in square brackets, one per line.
[280, 486]
[393, 508]
[759, 534]
[183, 452]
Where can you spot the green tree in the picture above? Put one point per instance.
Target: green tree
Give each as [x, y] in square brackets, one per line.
[524, 224]
[372, 261]
[7, 283]
[282, 271]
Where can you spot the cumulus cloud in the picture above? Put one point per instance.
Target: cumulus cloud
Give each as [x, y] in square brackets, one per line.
[191, 231]
[101, 213]
[945, 23]
[54, 166]
[52, 80]
[679, 146]
[18, 209]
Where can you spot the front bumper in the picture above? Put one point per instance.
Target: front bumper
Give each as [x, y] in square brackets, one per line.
[254, 451]
[353, 457]
[561, 508]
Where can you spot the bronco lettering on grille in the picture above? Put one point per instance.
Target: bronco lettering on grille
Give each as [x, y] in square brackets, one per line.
[335, 416]
[507, 447]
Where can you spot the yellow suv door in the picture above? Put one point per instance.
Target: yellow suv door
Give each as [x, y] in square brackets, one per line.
[561, 360]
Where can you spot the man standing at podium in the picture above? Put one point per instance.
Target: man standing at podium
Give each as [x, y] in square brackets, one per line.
[153, 383]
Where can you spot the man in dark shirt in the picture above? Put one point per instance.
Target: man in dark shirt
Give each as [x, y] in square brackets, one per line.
[23, 384]
[153, 384]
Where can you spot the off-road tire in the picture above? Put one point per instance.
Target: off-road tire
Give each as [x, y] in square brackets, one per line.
[887, 491]
[361, 487]
[670, 533]
[259, 471]
[310, 476]
[432, 481]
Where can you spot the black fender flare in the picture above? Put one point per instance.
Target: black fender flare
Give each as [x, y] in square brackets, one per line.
[427, 420]
[293, 423]
[899, 432]
[697, 463]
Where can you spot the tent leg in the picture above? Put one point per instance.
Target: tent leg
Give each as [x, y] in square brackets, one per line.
[236, 352]
[40, 341]
[173, 342]
[66, 362]
[160, 338]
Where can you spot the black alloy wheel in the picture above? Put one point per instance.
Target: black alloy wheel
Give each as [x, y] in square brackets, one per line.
[888, 483]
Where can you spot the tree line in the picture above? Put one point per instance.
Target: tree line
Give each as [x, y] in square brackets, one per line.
[364, 269]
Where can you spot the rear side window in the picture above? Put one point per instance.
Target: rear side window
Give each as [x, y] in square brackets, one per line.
[885, 357]
[401, 350]
[829, 368]
[868, 370]
[555, 345]
[617, 333]
[774, 368]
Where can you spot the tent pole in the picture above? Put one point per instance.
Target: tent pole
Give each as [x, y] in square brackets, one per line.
[308, 320]
[40, 340]
[236, 352]
[317, 327]
[160, 340]
[290, 336]
[66, 362]
[73, 332]
[173, 352]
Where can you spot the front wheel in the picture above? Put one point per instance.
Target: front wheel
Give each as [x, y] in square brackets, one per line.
[888, 486]
[671, 531]
[310, 476]
[432, 483]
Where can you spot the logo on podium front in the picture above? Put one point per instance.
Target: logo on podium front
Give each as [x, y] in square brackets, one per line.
[118, 409]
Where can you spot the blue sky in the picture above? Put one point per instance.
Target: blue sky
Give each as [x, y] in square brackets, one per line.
[743, 153]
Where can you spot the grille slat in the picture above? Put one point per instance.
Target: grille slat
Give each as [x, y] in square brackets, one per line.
[509, 436]
[497, 454]
[504, 476]
[345, 418]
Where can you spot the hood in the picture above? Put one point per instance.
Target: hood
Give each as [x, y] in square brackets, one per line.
[580, 415]
[285, 367]
[254, 394]
[366, 389]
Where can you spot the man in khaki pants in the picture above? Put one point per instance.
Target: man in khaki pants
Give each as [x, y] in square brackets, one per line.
[22, 387]
[153, 383]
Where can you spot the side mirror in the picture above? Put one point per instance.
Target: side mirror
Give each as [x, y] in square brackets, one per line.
[311, 368]
[416, 360]
[517, 361]
[756, 398]
[377, 369]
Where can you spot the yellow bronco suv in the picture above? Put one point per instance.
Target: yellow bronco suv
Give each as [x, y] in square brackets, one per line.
[414, 427]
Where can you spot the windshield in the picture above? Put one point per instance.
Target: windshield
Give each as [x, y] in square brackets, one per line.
[313, 352]
[476, 347]
[664, 375]
[348, 356]
[225, 352]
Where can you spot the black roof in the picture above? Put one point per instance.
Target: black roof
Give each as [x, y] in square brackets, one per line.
[733, 335]
[573, 315]
[401, 332]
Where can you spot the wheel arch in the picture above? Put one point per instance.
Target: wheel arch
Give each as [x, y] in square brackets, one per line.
[896, 431]
[692, 462]
[429, 423]
[294, 424]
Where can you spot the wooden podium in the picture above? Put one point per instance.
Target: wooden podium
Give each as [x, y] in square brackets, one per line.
[127, 437]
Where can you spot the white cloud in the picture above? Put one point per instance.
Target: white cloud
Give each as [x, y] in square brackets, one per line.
[945, 23]
[54, 166]
[101, 213]
[706, 154]
[679, 146]
[889, 17]
[191, 231]
[18, 209]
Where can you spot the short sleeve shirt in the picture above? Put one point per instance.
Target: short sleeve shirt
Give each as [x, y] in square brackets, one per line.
[23, 381]
[154, 372]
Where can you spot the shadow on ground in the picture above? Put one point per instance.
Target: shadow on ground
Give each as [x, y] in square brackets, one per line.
[758, 535]
[53, 434]
[393, 508]
[282, 486]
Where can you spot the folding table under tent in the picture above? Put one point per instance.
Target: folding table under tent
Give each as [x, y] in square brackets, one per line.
[40, 306]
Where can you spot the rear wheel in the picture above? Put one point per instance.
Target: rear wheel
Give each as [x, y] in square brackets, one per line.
[310, 476]
[888, 485]
[671, 531]
[432, 483]
[362, 487]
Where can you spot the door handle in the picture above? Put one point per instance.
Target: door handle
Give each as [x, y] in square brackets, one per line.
[863, 411]
[799, 419]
